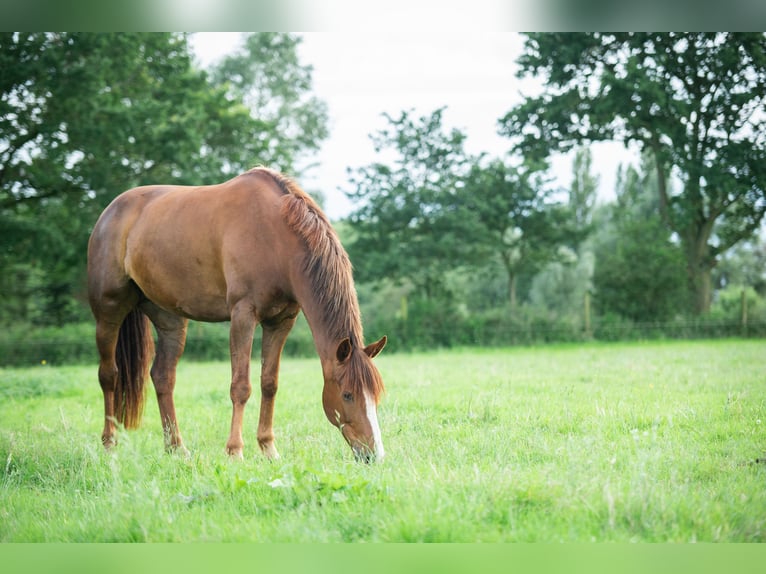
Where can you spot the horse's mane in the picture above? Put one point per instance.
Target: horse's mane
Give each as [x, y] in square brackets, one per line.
[329, 273]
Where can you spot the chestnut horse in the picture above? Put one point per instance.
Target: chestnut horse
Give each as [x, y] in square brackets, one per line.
[253, 250]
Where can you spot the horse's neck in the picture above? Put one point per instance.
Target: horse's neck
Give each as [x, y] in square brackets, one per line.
[330, 327]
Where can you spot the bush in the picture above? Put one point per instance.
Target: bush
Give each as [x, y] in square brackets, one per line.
[76, 344]
[640, 274]
[419, 325]
[429, 324]
[71, 344]
[727, 308]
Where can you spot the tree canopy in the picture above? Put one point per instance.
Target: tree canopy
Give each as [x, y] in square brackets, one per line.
[405, 224]
[288, 120]
[439, 236]
[695, 101]
[438, 209]
[85, 116]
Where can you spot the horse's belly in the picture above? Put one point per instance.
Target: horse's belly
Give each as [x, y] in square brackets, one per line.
[211, 309]
[180, 285]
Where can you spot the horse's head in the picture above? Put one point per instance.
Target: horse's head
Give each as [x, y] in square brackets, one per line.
[350, 397]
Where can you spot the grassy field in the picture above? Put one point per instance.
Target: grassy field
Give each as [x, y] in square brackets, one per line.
[638, 442]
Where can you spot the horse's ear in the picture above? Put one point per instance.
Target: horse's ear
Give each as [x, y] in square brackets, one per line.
[344, 350]
[373, 349]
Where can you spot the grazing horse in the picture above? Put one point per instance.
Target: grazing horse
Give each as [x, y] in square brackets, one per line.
[253, 250]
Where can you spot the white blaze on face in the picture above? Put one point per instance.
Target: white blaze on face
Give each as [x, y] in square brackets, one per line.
[372, 417]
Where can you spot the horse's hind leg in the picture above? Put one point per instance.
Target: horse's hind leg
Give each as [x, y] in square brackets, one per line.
[171, 339]
[107, 333]
[109, 314]
[274, 337]
[243, 321]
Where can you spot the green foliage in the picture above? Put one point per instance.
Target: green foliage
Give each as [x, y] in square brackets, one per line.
[449, 249]
[561, 286]
[650, 442]
[93, 114]
[210, 341]
[70, 345]
[288, 121]
[583, 190]
[405, 226]
[691, 100]
[639, 273]
[743, 265]
[75, 343]
[728, 307]
[436, 210]
[85, 116]
[515, 219]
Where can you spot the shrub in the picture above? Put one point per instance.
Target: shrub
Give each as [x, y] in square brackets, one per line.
[26, 345]
[76, 344]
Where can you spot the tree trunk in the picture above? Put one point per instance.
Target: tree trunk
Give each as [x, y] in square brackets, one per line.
[699, 262]
[511, 272]
[699, 267]
[512, 290]
[702, 289]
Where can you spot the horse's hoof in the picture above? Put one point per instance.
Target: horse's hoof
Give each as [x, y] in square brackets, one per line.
[269, 450]
[178, 450]
[235, 453]
[271, 454]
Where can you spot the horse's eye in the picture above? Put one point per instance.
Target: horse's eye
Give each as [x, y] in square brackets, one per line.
[348, 397]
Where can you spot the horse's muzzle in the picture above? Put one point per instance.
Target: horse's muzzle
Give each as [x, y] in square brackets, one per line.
[366, 455]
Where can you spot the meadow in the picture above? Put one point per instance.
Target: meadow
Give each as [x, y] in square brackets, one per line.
[626, 442]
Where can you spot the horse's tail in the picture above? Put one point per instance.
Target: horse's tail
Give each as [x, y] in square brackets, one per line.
[135, 348]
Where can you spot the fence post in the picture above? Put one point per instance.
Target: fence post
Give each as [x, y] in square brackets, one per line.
[743, 316]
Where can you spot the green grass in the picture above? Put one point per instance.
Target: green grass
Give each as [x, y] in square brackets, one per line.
[626, 442]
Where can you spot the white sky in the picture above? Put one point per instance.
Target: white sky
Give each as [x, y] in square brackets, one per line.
[362, 75]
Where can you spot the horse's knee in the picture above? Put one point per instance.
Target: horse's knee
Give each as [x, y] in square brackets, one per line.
[268, 387]
[240, 392]
[163, 380]
[156, 374]
[107, 376]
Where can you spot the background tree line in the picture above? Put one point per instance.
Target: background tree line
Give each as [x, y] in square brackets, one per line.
[692, 103]
[448, 247]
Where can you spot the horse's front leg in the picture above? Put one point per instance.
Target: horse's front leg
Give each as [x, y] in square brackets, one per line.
[243, 323]
[274, 337]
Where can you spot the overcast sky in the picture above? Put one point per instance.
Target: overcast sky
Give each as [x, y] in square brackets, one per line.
[360, 76]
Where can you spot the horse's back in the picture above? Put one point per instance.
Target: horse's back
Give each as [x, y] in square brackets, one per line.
[186, 248]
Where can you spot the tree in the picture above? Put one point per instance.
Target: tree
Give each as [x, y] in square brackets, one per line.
[289, 121]
[406, 225]
[82, 117]
[85, 116]
[82, 113]
[695, 101]
[744, 266]
[437, 209]
[639, 271]
[562, 284]
[582, 192]
[509, 214]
